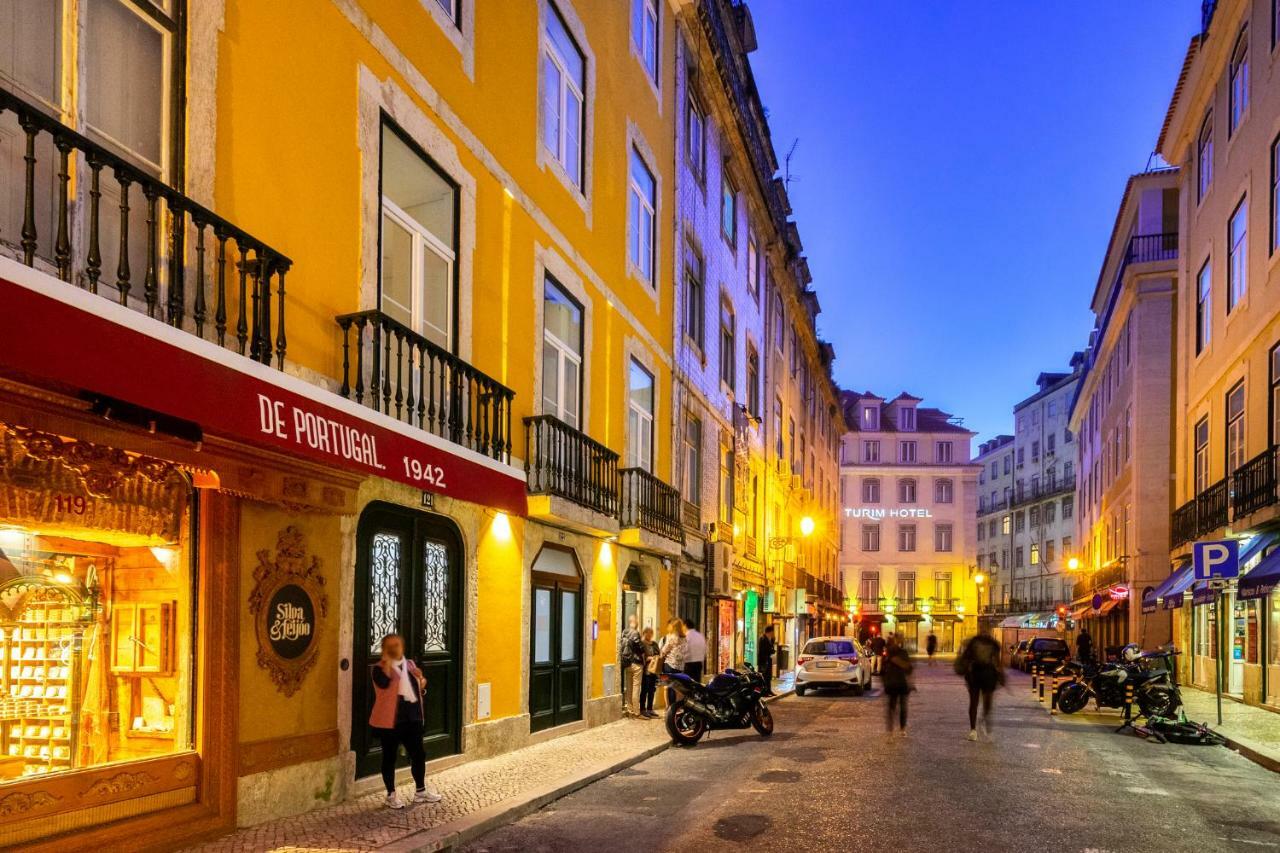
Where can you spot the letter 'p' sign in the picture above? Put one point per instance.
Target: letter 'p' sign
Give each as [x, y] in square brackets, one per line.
[1216, 559]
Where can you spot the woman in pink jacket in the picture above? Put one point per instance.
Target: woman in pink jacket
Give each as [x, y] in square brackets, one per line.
[397, 719]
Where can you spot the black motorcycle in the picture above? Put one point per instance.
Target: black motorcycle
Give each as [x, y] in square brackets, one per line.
[1153, 689]
[732, 700]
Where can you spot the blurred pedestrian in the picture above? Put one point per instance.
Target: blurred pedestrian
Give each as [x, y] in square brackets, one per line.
[931, 646]
[697, 657]
[649, 682]
[674, 651]
[765, 648]
[1084, 646]
[396, 719]
[979, 663]
[896, 676]
[631, 653]
[877, 654]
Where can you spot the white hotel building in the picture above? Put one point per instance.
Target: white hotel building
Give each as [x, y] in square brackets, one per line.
[910, 499]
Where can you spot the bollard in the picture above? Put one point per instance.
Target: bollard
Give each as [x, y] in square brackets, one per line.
[1053, 698]
[1040, 679]
[1034, 672]
[1128, 708]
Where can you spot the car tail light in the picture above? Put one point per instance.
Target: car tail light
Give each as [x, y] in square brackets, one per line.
[802, 660]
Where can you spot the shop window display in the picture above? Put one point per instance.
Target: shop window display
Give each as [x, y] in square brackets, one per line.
[95, 605]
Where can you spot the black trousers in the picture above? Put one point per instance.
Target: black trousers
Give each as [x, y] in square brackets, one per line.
[899, 701]
[983, 687]
[693, 669]
[407, 733]
[766, 669]
[648, 689]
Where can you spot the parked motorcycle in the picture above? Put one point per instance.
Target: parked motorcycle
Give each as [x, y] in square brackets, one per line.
[732, 700]
[1154, 691]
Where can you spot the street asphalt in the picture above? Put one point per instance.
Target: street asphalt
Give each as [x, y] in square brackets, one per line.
[830, 779]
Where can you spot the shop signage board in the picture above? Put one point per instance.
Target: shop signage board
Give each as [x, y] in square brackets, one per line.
[288, 599]
[69, 337]
[1216, 559]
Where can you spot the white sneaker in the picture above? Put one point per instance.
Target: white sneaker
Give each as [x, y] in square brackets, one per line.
[427, 795]
[393, 802]
[973, 734]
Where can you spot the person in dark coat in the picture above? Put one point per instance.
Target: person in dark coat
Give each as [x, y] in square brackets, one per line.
[979, 663]
[931, 646]
[764, 658]
[877, 654]
[896, 675]
[1084, 646]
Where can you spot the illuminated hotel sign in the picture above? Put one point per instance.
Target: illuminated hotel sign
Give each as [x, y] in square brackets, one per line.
[886, 512]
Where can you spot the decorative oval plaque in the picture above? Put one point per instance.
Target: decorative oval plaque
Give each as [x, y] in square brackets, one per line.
[287, 603]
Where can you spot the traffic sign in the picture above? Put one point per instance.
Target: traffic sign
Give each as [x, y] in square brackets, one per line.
[1219, 559]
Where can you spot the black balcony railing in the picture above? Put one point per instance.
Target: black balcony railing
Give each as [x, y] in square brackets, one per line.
[1253, 485]
[1182, 527]
[394, 370]
[651, 504]
[176, 270]
[1145, 248]
[1211, 508]
[1043, 490]
[562, 461]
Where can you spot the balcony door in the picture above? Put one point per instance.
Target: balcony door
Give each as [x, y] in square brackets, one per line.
[561, 355]
[555, 642]
[408, 582]
[418, 241]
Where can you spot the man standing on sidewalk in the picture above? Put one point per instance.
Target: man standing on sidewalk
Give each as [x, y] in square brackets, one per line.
[631, 654]
[697, 652]
[764, 658]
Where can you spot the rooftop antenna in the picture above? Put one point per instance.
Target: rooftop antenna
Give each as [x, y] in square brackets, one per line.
[787, 176]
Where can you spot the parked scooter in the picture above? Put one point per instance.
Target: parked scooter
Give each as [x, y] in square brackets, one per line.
[732, 700]
[1154, 691]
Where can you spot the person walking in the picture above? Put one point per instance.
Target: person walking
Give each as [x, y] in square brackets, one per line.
[1084, 646]
[979, 663]
[674, 651]
[765, 648]
[896, 676]
[931, 646]
[697, 657]
[631, 654]
[397, 720]
[877, 655]
[649, 682]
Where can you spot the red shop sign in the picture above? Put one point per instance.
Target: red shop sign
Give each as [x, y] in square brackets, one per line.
[57, 333]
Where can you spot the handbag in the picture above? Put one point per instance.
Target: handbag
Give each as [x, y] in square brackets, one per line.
[652, 667]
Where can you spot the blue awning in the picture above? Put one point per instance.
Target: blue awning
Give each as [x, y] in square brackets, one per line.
[1149, 600]
[1264, 578]
[1256, 546]
[1203, 594]
[1175, 585]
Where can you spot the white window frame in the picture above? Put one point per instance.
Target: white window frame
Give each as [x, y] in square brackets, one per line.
[907, 451]
[564, 356]
[642, 221]
[641, 438]
[1238, 255]
[645, 41]
[944, 452]
[1204, 306]
[1238, 84]
[569, 88]
[943, 538]
[1204, 158]
[422, 239]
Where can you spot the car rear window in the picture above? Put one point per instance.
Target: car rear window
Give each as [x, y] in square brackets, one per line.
[829, 647]
[1048, 645]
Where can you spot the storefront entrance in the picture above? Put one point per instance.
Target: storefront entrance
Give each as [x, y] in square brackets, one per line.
[408, 582]
[555, 647]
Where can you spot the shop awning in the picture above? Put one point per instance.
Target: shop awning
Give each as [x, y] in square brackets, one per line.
[1263, 579]
[1256, 546]
[1109, 605]
[1203, 594]
[1171, 588]
[1011, 622]
[1081, 612]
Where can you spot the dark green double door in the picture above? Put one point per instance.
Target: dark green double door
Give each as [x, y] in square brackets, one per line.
[408, 582]
[555, 644]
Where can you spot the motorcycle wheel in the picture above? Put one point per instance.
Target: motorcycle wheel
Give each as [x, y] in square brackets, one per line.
[762, 720]
[685, 727]
[1072, 698]
[1159, 701]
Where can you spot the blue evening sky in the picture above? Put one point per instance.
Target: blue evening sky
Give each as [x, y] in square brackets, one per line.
[957, 176]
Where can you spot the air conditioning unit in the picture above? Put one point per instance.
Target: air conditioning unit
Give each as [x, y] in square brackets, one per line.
[720, 566]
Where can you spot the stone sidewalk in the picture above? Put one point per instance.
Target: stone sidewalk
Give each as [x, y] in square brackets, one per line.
[478, 796]
[1253, 731]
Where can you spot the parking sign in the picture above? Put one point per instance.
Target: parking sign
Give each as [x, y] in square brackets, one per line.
[1216, 559]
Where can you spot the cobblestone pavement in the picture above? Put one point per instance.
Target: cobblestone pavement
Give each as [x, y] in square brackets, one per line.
[829, 779]
[364, 823]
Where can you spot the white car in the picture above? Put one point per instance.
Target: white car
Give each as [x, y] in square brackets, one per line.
[837, 662]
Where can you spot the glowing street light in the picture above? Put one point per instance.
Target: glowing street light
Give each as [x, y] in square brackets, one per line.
[1073, 564]
[807, 526]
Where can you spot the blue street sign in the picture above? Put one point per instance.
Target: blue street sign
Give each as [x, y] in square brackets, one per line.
[1216, 559]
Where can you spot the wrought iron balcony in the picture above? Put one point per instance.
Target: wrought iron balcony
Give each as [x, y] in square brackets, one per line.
[1044, 490]
[650, 504]
[394, 370]
[198, 272]
[1211, 508]
[1253, 485]
[562, 461]
[1182, 526]
[1146, 248]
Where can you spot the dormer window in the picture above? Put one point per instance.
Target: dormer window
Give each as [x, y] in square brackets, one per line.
[870, 418]
[907, 419]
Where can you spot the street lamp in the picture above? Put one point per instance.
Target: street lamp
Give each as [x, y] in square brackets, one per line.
[1073, 564]
[807, 526]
